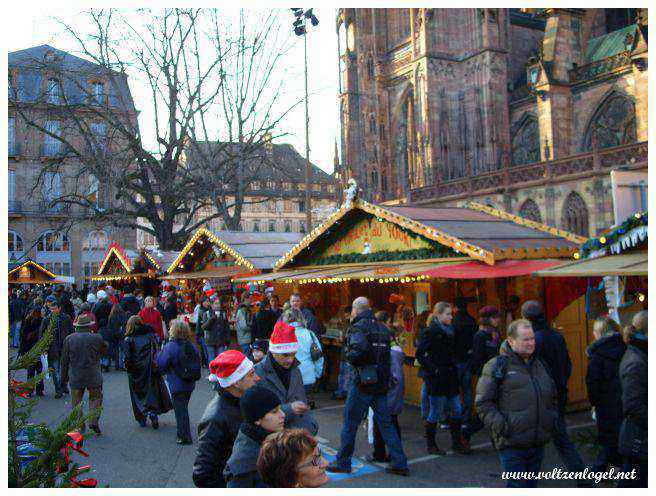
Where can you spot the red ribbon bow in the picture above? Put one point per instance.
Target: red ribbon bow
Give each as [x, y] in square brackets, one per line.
[19, 388]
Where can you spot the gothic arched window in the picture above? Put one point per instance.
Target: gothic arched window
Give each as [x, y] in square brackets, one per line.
[613, 123]
[575, 215]
[530, 210]
[526, 142]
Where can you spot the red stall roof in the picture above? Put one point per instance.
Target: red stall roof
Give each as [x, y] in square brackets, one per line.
[479, 270]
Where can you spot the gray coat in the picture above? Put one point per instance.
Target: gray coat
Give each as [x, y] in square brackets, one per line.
[80, 360]
[243, 325]
[296, 392]
[241, 468]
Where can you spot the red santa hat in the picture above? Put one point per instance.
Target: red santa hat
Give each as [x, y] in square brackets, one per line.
[283, 339]
[229, 367]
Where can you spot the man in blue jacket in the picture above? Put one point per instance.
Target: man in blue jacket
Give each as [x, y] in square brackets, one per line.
[368, 350]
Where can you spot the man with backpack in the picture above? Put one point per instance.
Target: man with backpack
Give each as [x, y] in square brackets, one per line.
[180, 361]
[517, 400]
[368, 348]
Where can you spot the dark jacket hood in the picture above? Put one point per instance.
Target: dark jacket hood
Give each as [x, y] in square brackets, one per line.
[367, 314]
[639, 342]
[610, 346]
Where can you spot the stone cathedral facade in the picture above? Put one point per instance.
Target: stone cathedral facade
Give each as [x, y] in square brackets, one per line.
[526, 110]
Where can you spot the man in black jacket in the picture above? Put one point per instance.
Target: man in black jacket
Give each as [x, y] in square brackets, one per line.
[551, 348]
[232, 373]
[61, 326]
[368, 350]
[464, 328]
[129, 303]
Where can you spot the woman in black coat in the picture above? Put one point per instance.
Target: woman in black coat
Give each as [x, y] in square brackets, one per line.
[604, 390]
[148, 392]
[29, 336]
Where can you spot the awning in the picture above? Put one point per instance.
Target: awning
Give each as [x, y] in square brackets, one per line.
[626, 264]
[208, 273]
[480, 270]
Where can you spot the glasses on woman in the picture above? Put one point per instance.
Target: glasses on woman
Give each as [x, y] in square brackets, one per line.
[315, 462]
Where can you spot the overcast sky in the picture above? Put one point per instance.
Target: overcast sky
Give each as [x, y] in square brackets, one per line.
[28, 29]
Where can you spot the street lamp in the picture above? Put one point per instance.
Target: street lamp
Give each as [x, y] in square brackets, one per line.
[300, 29]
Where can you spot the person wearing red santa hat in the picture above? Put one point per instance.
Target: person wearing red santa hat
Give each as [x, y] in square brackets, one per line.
[231, 373]
[279, 372]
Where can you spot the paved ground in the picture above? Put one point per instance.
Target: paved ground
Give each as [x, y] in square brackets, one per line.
[127, 455]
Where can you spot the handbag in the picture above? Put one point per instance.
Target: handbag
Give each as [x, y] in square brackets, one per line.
[315, 351]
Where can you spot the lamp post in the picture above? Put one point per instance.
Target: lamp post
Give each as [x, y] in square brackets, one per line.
[300, 29]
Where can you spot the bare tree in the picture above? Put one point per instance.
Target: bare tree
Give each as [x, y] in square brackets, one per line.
[135, 174]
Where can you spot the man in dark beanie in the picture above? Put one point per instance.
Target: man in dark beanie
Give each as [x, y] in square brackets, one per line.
[262, 415]
[551, 348]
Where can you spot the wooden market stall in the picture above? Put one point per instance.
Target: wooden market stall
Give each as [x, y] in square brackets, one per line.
[138, 267]
[222, 255]
[406, 258]
[31, 272]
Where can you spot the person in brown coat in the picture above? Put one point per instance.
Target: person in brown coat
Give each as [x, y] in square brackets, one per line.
[516, 399]
[80, 362]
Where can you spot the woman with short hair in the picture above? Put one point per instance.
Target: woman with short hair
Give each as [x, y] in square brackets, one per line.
[291, 458]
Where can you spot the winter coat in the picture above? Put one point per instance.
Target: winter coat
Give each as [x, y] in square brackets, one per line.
[604, 390]
[485, 347]
[101, 310]
[464, 329]
[436, 357]
[168, 361]
[80, 360]
[296, 392]
[63, 327]
[633, 378]
[551, 347]
[310, 371]
[518, 406]
[243, 325]
[29, 334]
[67, 306]
[215, 327]
[170, 310]
[16, 310]
[116, 324]
[146, 384]
[263, 324]
[368, 344]
[217, 431]
[241, 469]
[130, 304]
[152, 317]
[397, 382]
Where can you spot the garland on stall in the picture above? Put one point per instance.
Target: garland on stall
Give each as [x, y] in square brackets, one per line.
[627, 235]
[385, 256]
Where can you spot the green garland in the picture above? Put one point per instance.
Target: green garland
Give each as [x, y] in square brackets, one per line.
[594, 244]
[384, 256]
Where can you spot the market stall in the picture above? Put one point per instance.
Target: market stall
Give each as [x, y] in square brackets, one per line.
[213, 258]
[140, 268]
[406, 258]
[614, 265]
[31, 272]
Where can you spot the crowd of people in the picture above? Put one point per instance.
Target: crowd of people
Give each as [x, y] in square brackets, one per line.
[259, 429]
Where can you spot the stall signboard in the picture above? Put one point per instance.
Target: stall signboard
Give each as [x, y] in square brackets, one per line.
[371, 235]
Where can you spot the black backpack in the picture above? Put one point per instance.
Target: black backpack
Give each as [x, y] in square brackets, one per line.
[188, 368]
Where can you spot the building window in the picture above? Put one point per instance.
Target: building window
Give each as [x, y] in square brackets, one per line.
[374, 178]
[52, 187]
[96, 240]
[301, 227]
[370, 68]
[240, 226]
[99, 93]
[619, 18]
[51, 145]
[530, 210]
[12, 188]
[51, 241]
[15, 243]
[613, 123]
[526, 142]
[301, 206]
[256, 226]
[372, 124]
[575, 215]
[54, 91]
[90, 269]
[99, 132]
[288, 226]
[272, 226]
[12, 136]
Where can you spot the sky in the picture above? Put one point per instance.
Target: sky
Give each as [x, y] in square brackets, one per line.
[37, 28]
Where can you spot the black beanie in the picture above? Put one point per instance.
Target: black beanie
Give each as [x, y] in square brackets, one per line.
[256, 402]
